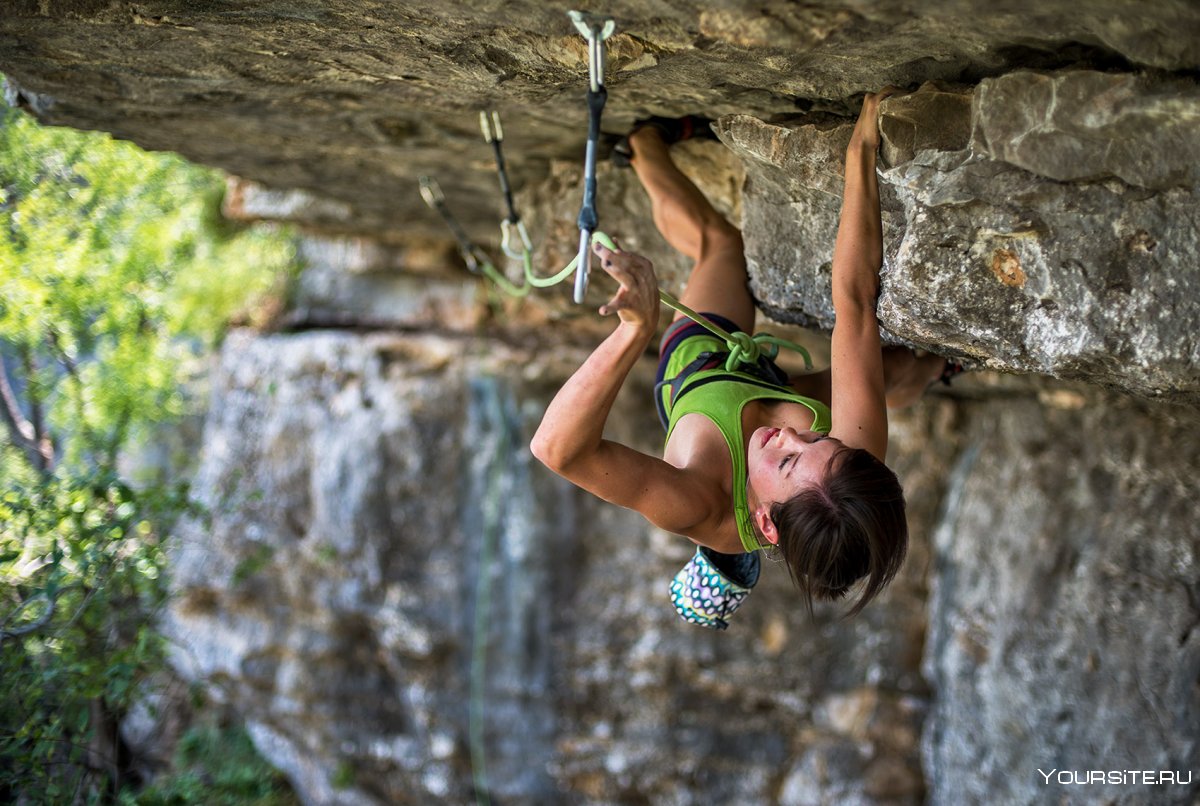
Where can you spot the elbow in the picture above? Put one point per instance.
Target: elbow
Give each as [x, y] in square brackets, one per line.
[541, 449]
[855, 303]
[546, 450]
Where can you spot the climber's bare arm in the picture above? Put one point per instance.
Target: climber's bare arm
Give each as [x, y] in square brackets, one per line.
[570, 438]
[857, 397]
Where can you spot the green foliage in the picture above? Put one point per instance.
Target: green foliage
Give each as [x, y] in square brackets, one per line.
[215, 765]
[81, 571]
[115, 277]
[258, 559]
[112, 275]
[344, 776]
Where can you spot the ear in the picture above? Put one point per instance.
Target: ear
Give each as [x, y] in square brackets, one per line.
[762, 520]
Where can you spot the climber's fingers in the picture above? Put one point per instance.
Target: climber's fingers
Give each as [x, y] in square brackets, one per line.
[886, 92]
[867, 127]
[636, 301]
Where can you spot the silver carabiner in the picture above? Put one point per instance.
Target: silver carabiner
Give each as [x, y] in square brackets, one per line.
[595, 28]
[492, 133]
[431, 192]
[583, 265]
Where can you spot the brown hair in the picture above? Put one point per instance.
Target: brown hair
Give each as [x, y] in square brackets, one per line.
[848, 527]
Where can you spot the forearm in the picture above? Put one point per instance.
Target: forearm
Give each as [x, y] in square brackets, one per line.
[573, 426]
[858, 251]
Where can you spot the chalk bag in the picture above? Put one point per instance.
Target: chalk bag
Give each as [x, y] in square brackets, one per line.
[712, 585]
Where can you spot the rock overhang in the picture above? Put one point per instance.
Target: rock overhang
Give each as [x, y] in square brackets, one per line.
[1058, 238]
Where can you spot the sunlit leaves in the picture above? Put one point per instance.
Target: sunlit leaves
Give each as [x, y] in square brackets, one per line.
[109, 262]
[113, 282]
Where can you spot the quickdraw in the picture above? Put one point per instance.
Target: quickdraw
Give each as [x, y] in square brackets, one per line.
[595, 29]
[743, 348]
[493, 133]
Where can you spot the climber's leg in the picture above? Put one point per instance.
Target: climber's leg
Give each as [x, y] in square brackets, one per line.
[718, 282]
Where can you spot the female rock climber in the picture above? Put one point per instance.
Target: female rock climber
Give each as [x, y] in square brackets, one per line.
[752, 459]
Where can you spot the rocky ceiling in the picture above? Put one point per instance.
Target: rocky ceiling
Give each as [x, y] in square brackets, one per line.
[351, 101]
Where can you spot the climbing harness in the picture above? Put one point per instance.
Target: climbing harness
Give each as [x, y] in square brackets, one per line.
[595, 28]
[743, 348]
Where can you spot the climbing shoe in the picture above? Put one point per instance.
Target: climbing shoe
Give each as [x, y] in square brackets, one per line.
[712, 585]
[950, 371]
[674, 130]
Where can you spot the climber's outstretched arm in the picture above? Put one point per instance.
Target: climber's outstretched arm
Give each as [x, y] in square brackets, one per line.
[570, 438]
[857, 397]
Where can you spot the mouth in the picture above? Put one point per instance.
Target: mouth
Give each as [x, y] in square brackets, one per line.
[768, 436]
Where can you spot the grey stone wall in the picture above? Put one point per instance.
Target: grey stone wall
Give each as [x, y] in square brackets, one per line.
[1041, 194]
[387, 570]
[1063, 613]
[386, 582]
[385, 556]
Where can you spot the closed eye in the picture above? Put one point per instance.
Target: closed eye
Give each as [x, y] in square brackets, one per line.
[786, 459]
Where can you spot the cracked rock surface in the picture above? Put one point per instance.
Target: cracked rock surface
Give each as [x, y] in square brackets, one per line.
[382, 541]
[1049, 230]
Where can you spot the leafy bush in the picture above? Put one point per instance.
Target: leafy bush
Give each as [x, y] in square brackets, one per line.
[215, 764]
[116, 275]
[83, 563]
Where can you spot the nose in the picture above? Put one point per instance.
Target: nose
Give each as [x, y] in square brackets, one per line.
[805, 437]
[792, 436]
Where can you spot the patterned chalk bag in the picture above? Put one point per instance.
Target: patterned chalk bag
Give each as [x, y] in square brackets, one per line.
[712, 585]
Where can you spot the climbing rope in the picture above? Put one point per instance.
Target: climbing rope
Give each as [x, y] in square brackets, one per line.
[743, 348]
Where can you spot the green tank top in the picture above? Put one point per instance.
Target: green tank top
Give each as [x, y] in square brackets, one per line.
[720, 396]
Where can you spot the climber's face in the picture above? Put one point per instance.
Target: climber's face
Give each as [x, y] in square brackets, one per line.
[782, 462]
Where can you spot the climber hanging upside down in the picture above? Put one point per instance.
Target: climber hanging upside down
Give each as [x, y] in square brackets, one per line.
[752, 459]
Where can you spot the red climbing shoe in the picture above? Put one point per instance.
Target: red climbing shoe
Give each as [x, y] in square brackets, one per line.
[674, 130]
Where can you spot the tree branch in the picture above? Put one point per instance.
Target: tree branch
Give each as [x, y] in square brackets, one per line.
[20, 429]
[42, 620]
[68, 363]
[41, 439]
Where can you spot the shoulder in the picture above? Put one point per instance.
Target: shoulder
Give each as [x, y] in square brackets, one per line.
[703, 472]
[698, 506]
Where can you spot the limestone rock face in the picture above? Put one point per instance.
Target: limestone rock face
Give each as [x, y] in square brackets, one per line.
[389, 584]
[1063, 612]
[998, 264]
[407, 608]
[396, 597]
[1084, 125]
[1049, 231]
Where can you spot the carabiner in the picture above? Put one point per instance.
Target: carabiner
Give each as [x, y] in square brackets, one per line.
[487, 128]
[431, 192]
[595, 28]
